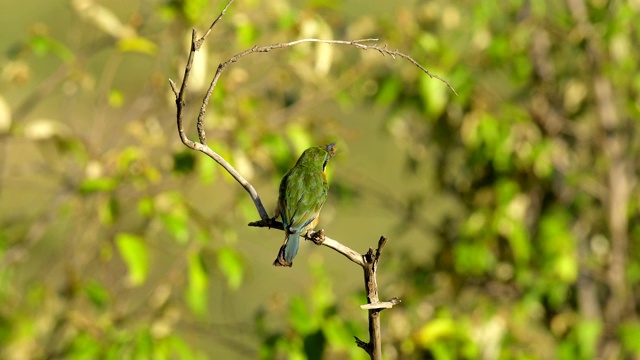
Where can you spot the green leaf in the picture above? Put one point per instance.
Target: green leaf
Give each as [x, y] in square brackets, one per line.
[137, 44]
[435, 331]
[300, 317]
[207, 170]
[278, 152]
[145, 206]
[587, 333]
[90, 186]
[44, 45]
[230, 263]
[434, 95]
[97, 293]
[176, 222]
[133, 251]
[629, 335]
[184, 162]
[337, 333]
[115, 98]
[198, 285]
[389, 91]
[109, 210]
[473, 258]
[194, 9]
[246, 31]
[299, 137]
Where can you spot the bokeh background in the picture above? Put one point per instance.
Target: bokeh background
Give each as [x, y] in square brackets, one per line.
[511, 208]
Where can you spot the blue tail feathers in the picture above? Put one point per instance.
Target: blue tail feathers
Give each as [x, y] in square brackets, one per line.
[288, 251]
[291, 248]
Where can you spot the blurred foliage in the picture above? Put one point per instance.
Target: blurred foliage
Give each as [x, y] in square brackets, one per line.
[116, 242]
[315, 329]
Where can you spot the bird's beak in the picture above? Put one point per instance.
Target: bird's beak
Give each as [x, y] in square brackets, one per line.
[331, 149]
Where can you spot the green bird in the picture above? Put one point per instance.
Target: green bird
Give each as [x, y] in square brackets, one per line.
[303, 191]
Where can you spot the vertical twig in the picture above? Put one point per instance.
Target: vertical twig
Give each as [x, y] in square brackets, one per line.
[374, 306]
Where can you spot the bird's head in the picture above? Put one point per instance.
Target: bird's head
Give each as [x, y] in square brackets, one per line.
[317, 156]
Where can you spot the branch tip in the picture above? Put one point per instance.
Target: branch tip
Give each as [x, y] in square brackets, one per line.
[173, 87]
[361, 344]
[382, 305]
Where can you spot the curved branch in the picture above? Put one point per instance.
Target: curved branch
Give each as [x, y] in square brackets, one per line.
[368, 261]
[202, 147]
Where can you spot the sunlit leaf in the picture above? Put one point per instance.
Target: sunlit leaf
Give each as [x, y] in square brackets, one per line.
[127, 157]
[85, 347]
[337, 333]
[145, 206]
[137, 44]
[434, 95]
[230, 263]
[278, 151]
[246, 31]
[435, 330]
[104, 184]
[207, 170]
[197, 290]
[473, 258]
[299, 137]
[177, 223]
[587, 333]
[193, 10]
[45, 45]
[133, 251]
[116, 98]
[629, 334]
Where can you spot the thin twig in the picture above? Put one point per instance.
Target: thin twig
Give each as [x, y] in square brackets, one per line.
[318, 238]
[202, 147]
[369, 261]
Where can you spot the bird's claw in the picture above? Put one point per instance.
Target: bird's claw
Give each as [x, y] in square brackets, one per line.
[317, 236]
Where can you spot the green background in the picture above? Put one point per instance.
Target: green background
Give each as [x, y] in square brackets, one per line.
[511, 208]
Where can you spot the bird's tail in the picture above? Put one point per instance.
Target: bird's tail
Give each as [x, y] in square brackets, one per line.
[288, 250]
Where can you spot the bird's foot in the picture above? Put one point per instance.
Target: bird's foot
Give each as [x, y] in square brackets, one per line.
[316, 236]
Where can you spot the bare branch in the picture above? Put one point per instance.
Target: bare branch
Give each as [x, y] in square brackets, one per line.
[319, 238]
[382, 305]
[215, 22]
[368, 261]
[202, 147]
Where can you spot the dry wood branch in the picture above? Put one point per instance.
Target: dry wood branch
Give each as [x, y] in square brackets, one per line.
[180, 94]
[202, 147]
[368, 261]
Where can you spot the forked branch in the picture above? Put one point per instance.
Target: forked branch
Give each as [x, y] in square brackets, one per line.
[180, 94]
[368, 261]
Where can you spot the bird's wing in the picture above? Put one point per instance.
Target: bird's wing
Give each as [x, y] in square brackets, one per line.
[304, 196]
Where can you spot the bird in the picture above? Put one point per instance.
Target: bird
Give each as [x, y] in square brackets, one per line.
[301, 195]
